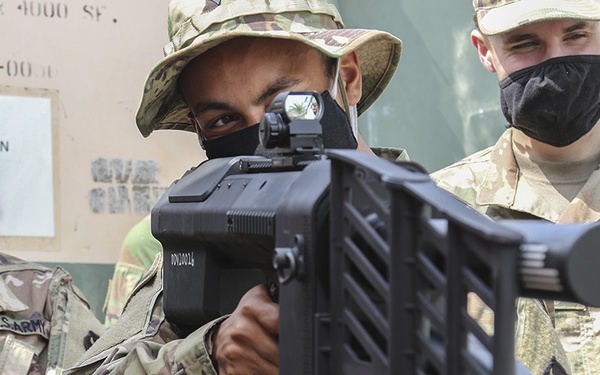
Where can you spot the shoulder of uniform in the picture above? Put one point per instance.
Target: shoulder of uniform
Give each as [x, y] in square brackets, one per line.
[471, 164]
[142, 317]
[9, 262]
[155, 271]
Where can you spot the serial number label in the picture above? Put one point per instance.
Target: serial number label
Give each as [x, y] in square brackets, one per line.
[182, 259]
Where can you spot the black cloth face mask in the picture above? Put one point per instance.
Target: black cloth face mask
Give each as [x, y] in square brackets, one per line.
[556, 102]
[337, 133]
[240, 142]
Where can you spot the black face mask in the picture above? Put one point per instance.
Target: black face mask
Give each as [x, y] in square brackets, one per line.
[556, 102]
[240, 142]
[337, 133]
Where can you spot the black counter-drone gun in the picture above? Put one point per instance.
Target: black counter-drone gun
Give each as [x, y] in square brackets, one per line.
[373, 261]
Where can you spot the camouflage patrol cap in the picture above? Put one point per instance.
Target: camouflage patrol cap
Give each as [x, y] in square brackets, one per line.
[198, 25]
[499, 16]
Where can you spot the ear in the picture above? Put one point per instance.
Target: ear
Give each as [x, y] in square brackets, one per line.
[483, 50]
[350, 73]
[196, 127]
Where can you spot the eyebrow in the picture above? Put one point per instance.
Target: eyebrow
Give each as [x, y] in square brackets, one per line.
[279, 85]
[211, 106]
[516, 38]
[578, 26]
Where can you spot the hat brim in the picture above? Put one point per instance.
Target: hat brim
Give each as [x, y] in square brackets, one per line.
[501, 19]
[162, 107]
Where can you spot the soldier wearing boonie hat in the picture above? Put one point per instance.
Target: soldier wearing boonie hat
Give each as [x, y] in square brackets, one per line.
[196, 26]
[546, 54]
[145, 341]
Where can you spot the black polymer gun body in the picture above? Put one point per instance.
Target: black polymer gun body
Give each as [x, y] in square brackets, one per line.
[218, 224]
[373, 261]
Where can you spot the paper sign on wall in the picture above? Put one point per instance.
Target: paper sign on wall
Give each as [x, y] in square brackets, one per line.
[26, 169]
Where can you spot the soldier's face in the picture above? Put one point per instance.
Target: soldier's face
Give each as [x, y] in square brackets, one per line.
[230, 86]
[535, 43]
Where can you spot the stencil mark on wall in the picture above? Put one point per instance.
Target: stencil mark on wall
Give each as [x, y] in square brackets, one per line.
[118, 200]
[98, 200]
[126, 186]
[122, 170]
[101, 171]
[145, 172]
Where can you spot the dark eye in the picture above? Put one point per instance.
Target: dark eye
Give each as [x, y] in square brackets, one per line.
[221, 125]
[577, 36]
[523, 46]
[223, 121]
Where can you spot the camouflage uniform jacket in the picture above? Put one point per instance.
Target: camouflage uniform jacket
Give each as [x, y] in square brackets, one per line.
[137, 254]
[139, 249]
[143, 342]
[488, 181]
[45, 322]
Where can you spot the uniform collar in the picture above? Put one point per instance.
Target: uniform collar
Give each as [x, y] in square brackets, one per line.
[499, 188]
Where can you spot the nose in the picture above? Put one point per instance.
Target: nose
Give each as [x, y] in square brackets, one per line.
[254, 115]
[554, 49]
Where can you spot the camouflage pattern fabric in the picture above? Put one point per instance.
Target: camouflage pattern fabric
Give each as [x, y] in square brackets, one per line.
[391, 153]
[488, 181]
[137, 254]
[142, 341]
[45, 322]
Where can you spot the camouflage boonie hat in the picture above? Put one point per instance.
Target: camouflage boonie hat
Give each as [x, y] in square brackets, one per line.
[500, 16]
[198, 25]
